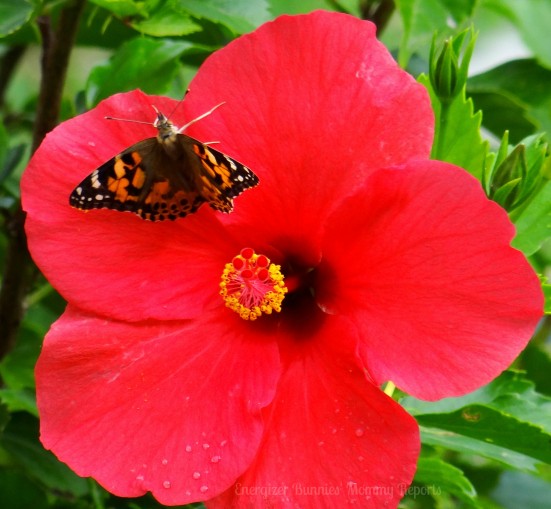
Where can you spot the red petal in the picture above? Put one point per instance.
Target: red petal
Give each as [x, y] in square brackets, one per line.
[312, 104]
[421, 260]
[170, 408]
[332, 437]
[111, 262]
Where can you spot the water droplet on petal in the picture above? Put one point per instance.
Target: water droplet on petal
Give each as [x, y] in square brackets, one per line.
[196, 475]
[223, 443]
[206, 446]
[164, 462]
[215, 459]
[321, 443]
[359, 432]
[188, 448]
[334, 430]
[166, 484]
[203, 489]
[139, 477]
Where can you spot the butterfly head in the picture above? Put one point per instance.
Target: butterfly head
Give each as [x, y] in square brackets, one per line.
[165, 128]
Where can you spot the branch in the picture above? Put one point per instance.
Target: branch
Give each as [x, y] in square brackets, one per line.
[57, 46]
[377, 11]
[19, 270]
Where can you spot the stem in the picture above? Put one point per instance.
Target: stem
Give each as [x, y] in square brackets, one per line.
[438, 145]
[19, 270]
[57, 46]
[17, 274]
[377, 11]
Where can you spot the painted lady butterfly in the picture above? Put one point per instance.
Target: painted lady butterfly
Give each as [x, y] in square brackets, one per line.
[165, 177]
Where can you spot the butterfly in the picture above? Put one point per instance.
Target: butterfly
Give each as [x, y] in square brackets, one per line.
[165, 177]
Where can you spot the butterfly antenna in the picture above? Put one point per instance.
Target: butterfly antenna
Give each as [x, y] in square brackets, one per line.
[177, 105]
[171, 114]
[128, 120]
[183, 128]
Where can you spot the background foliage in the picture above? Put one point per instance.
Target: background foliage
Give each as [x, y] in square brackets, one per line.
[489, 449]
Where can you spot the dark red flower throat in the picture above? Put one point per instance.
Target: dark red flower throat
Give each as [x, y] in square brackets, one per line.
[252, 285]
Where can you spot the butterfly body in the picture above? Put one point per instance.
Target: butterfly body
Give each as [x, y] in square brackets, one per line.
[164, 177]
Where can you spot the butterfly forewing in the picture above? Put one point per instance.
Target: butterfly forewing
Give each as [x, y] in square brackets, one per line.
[116, 184]
[220, 177]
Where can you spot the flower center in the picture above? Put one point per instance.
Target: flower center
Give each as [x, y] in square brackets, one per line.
[252, 285]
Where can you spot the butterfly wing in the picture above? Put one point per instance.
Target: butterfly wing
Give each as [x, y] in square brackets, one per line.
[218, 177]
[160, 180]
[138, 180]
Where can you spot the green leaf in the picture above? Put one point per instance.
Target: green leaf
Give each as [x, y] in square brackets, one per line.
[15, 13]
[533, 19]
[497, 394]
[444, 477]
[460, 9]
[457, 137]
[507, 420]
[501, 113]
[4, 417]
[463, 444]
[123, 8]
[518, 490]
[4, 147]
[19, 400]
[533, 219]
[20, 440]
[516, 96]
[19, 492]
[536, 359]
[101, 28]
[17, 368]
[279, 7]
[143, 63]
[239, 15]
[547, 294]
[167, 21]
[423, 18]
[485, 424]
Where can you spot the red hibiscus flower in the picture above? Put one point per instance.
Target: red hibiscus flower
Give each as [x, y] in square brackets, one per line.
[394, 267]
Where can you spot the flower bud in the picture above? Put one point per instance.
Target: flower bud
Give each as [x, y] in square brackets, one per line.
[448, 70]
[508, 176]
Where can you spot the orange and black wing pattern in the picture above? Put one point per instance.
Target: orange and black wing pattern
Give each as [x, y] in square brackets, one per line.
[159, 183]
[127, 183]
[219, 178]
